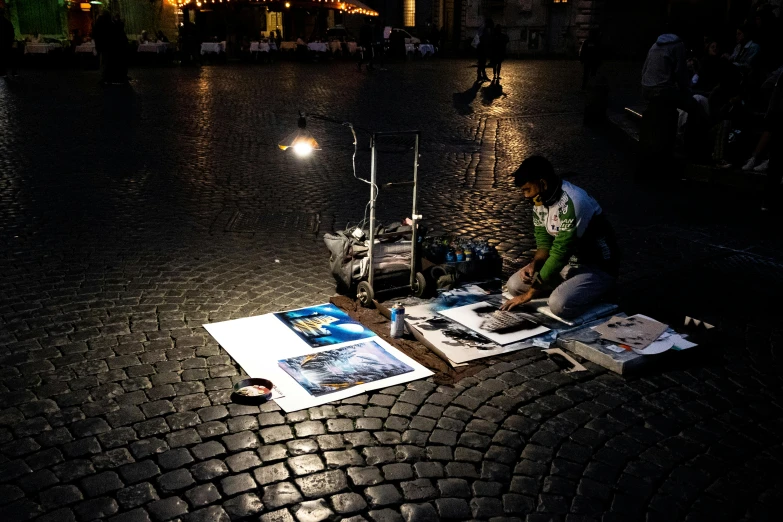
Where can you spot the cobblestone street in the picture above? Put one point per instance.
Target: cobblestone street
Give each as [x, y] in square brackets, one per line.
[130, 217]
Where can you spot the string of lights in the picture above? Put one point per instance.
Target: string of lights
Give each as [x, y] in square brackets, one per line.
[342, 5]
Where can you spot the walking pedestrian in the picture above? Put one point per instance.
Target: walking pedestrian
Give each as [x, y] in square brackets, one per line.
[482, 49]
[498, 50]
[590, 56]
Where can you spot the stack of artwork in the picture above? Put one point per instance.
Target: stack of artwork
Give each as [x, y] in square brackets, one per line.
[465, 324]
[314, 355]
[641, 334]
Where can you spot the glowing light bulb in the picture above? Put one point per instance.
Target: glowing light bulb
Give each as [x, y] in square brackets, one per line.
[303, 149]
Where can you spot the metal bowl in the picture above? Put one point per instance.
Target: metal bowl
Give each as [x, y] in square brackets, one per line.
[255, 396]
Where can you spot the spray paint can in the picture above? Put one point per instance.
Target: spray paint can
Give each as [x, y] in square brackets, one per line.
[397, 321]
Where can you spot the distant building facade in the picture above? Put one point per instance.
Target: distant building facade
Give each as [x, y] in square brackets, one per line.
[558, 27]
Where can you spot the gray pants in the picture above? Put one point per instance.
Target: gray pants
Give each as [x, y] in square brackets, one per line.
[581, 288]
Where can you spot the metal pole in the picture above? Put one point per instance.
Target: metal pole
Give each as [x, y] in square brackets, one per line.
[373, 195]
[414, 212]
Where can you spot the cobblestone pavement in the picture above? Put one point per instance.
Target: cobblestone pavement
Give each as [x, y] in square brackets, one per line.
[129, 217]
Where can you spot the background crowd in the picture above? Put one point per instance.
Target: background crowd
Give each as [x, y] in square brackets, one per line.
[727, 93]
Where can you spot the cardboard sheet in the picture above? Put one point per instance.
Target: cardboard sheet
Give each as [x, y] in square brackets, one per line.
[259, 343]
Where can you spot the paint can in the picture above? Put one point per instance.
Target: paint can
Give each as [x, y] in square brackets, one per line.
[397, 321]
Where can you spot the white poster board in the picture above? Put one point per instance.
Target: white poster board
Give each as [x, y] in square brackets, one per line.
[259, 343]
[475, 316]
[450, 339]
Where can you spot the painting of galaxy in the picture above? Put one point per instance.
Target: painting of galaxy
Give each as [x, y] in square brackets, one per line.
[335, 370]
[323, 325]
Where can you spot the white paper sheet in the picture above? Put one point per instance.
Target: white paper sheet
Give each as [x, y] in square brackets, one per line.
[258, 343]
[467, 316]
[456, 343]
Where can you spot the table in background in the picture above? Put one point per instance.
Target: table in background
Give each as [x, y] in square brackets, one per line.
[319, 47]
[41, 48]
[262, 47]
[288, 46]
[156, 47]
[336, 46]
[213, 47]
[86, 48]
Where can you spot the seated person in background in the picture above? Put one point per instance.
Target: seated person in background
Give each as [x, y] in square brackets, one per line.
[577, 259]
[36, 38]
[745, 51]
[144, 38]
[708, 69]
[665, 77]
[162, 37]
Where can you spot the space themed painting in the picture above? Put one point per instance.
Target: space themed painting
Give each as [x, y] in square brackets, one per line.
[323, 325]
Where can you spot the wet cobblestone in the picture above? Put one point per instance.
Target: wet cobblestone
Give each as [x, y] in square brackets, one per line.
[114, 402]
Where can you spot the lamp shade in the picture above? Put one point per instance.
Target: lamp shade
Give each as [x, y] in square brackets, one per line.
[301, 140]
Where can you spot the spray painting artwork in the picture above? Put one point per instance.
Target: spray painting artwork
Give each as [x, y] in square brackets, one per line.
[486, 319]
[323, 325]
[335, 370]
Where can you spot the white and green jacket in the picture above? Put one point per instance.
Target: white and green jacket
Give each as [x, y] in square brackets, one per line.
[571, 226]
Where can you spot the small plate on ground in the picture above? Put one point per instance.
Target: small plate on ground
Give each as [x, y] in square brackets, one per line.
[252, 391]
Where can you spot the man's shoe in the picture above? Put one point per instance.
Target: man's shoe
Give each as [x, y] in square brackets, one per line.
[750, 164]
[723, 164]
[762, 167]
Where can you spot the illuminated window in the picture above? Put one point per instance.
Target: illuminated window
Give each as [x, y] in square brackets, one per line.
[560, 1]
[409, 13]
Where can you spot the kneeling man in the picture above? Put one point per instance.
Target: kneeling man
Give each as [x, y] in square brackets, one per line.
[576, 261]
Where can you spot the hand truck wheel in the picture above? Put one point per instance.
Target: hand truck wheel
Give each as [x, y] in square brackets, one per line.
[365, 294]
[419, 285]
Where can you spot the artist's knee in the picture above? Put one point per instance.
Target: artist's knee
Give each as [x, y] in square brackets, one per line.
[562, 305]
[515, 286]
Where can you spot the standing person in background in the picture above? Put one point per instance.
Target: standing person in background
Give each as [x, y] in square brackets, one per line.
[378, 43]
[118, 51]
[101, 34]
[498, 50]
[590, 56]
[435, 37]
[484, 43]
[366, 41]
[6, 43]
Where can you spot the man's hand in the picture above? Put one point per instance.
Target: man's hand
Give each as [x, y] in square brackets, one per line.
[527, 273]
[520, 299]
[515, 301]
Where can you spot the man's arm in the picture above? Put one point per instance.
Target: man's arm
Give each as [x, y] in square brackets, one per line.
[562, 249]
[543, 243]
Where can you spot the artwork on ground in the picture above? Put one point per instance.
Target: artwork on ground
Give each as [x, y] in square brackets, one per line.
[335, 370]
[453, 341]
[635, 331]
[324, 325]
[488, 321]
